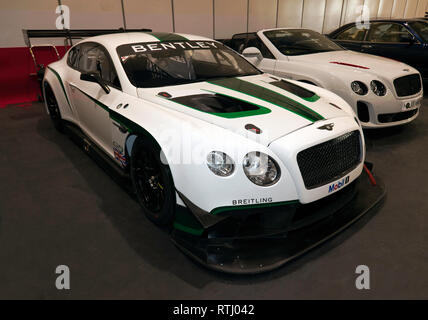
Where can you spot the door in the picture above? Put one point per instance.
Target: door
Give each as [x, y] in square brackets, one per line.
[420, 30]
[351, 38]
[392, 40]
[90, 100]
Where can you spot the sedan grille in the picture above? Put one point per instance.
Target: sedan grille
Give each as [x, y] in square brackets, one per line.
[331, 160]
[408, 85]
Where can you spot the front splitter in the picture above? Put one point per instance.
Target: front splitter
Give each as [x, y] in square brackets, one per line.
[261, 254]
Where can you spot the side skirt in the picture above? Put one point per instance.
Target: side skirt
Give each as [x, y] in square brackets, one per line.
[83, 141]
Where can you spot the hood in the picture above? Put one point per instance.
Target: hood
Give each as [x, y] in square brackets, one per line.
[261, 107]
[351, 61]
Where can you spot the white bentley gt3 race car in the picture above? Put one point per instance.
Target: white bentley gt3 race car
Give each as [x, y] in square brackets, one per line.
[248, 170]
[382, 92]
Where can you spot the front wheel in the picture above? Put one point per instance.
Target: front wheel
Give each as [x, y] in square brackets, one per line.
[152, 181]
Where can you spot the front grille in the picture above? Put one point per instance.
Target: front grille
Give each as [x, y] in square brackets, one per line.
[329, 161]
[394, 117]
[408, 85]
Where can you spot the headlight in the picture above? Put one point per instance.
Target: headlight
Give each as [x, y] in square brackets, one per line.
[261, 169]
[378, 88]
[359, 88]
[220, 163]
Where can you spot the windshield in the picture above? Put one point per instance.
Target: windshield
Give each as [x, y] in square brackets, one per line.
[421, 28]
[299, 42]
[159, 64]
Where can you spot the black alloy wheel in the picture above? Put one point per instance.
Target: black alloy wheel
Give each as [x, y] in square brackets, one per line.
[152, 181]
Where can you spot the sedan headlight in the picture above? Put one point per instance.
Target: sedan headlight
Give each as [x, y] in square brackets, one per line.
[378, 88]
[261, 169]
[359, 88]
[220, 163]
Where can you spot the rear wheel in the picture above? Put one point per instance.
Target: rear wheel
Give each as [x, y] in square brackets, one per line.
[53, 108]
[152, 181]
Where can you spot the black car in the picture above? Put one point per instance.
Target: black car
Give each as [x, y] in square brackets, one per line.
[399, 39]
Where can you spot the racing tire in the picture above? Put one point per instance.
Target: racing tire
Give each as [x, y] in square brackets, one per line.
[53, 108]
[152, 182]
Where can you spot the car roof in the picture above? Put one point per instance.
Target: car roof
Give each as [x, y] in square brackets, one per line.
[397, 20]
[244, 34]
[112, 41]
[285, 28]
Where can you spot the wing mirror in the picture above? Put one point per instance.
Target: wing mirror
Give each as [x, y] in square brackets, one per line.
[95, 77]
[410, 39]
[252, 52]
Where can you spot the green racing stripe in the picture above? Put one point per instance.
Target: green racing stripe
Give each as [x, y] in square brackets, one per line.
[267, 95]
[131, 126]
[314, 98]
[61, 83]
[165, 36]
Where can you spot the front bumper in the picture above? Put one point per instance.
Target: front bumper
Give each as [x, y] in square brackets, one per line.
[387, 111]
[260, 240]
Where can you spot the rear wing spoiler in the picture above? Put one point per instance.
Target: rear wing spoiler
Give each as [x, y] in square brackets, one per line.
[69, 35]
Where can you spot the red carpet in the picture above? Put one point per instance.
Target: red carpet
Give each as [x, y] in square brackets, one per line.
[16, 65]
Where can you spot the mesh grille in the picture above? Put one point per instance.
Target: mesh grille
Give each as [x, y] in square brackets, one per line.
[408, 85]
[329, 161]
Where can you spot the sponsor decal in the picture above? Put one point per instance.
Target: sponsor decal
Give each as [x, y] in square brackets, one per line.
[336, 186]
[243, 202]
[119, 154]
[177, 45]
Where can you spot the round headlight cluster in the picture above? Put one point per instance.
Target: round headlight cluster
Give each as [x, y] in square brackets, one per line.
[359, 88]
[261, 169]
[220, 163]
[378, 88]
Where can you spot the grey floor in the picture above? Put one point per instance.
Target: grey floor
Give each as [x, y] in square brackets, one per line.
[58, 207]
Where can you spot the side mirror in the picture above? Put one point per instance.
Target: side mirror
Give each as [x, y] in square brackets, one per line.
[94, 77]
[252, 52]
[409, 39]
